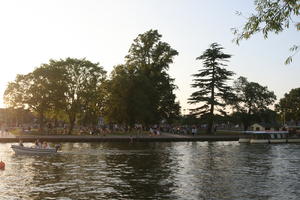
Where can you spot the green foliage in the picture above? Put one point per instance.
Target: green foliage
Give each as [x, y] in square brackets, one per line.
[252, 99]
[267, 116]
[70, 87]
[211, 82]
[271, 16]
[289, 106]
[13, 95]
[79, 93]
[151, 58]
[119, 95]
[33, 91]
[141, 90]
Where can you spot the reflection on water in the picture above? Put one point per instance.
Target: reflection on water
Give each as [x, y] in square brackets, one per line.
[187, 170]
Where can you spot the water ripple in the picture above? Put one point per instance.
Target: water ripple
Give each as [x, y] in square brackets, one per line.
[187, 170]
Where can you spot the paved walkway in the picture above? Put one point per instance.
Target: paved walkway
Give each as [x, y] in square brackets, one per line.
[165, 137]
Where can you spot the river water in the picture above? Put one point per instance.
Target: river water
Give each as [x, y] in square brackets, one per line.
[175, 170]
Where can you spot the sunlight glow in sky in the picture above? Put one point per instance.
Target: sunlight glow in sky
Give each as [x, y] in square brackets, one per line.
[33, 31]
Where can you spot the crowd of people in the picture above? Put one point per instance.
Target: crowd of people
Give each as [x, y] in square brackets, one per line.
[37, 144]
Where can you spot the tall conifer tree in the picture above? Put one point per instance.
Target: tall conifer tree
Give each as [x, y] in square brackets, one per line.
[211, 82]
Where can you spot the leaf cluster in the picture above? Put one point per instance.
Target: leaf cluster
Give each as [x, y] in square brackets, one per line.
[141, 90]
[270, 16]
[69, 87]
[212, 82]
[252, 101]
[289, 105]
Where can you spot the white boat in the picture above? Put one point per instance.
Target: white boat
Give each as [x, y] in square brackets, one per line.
[32, 150]
[244, 139]
[294, 133]
[260, 137]
[295, 140]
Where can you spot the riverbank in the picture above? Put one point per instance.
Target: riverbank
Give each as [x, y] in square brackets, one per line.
[165, 137]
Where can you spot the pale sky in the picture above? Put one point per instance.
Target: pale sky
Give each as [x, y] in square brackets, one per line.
[34, 31]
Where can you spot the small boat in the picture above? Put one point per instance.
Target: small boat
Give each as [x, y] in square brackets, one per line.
[32, 150]
[245, 138]
[294, 135]
[260, 137]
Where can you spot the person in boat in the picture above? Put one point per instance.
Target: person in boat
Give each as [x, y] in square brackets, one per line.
[21, 143]
[57, 147]
[38, 144]
[46, 145]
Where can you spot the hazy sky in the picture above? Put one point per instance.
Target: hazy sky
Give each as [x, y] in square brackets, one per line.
[34, 31]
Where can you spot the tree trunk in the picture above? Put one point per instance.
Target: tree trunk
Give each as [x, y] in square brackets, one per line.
[248, 120]
[209, 127]
[72, 118]
[246, 126]
[212, 104]
[41, 121]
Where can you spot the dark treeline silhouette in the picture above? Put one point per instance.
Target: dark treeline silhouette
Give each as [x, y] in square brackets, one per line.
[137, 94]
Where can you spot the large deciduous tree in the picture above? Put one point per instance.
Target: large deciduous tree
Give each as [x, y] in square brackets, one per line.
[70, 86]
[270, 16]
[252, 100]
[211, 84]
[127, 102]
[152, 58]
[15, 90]
[141, 89]
[80, 89]
[33, 91]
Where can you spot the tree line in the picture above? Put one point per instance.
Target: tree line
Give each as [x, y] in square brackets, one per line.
[140, 91]
[79, 91]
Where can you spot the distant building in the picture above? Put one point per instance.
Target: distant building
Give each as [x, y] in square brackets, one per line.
[265, 126]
